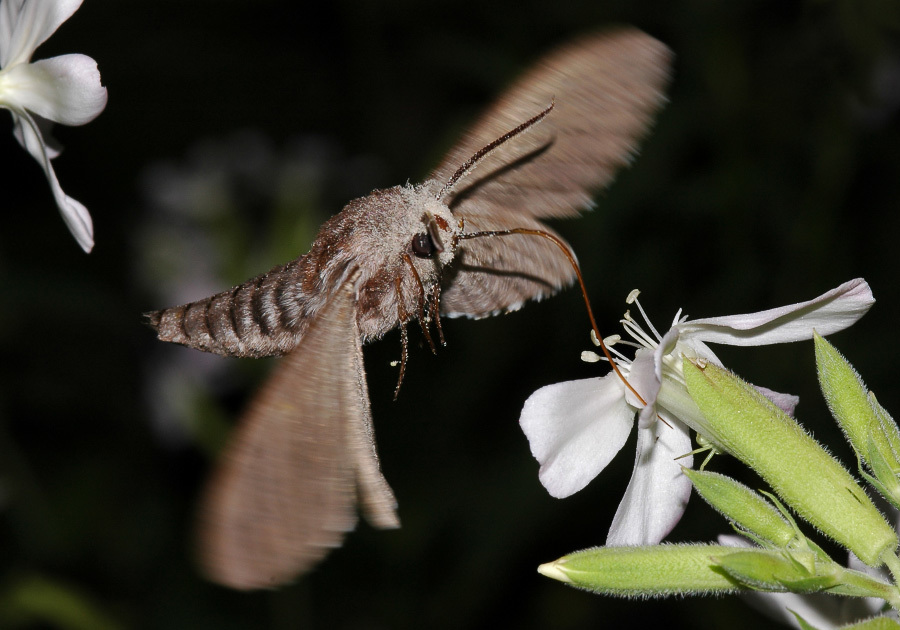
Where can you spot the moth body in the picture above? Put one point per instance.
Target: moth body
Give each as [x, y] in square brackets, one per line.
[269, 314]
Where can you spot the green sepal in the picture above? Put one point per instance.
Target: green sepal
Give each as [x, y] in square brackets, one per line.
[779, 571]
[889, 428]
[800, 541]
[883, 478]
[804, 624]
[875, 623]
[859, 584]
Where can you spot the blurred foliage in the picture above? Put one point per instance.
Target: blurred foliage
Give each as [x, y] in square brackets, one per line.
[772, 176]
[33, 601]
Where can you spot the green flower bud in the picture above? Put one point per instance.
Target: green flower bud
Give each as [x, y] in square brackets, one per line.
[882, 465]
[888, 427]
[869, 428]
[742, 505]
[645, 571]
[852, 407]
[801, 472]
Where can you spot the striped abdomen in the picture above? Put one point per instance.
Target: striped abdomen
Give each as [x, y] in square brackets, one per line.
[265, 316]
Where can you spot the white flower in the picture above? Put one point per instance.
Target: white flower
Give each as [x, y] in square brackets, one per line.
[575, 428]
[64, 89]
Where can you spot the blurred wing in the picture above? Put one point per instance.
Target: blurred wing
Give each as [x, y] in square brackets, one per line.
[495, 274]
[285, 490]
[605, 89]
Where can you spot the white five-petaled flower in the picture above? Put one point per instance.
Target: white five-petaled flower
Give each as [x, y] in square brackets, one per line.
[575, 428]
[64, 89]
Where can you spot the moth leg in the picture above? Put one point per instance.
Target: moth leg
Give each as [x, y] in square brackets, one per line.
[436, 310]
[404, 339]
[421, 303]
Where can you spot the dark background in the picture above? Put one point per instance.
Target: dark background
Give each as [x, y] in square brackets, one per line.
[771, 176]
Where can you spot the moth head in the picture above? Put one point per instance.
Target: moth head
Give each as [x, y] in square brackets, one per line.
[435, 233]
[436, 239]
[393, 231]
[401, 238]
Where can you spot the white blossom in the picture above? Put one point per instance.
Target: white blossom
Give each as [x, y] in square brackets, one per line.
[575, 428]
[64, 89]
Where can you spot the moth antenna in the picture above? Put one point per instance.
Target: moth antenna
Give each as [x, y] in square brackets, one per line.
[565, 249]
[404, 340]
[470, 164]
[421, 301]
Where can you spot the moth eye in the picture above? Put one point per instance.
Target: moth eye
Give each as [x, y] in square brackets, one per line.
[422, 245]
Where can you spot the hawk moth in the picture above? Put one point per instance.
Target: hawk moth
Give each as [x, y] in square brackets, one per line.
[286, 488]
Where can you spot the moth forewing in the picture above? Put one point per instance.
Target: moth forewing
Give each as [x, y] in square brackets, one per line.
[605, 89]
[285, 491]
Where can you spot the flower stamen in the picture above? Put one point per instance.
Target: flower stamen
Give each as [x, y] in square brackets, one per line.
[636, 332]
[633, 299]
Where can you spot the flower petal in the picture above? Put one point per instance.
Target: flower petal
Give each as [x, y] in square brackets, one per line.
[63, 89]
[575, 429]
[658, 492]
[666, 345]
[26, 25]
[51, 146]
[644, 377]
[830, 312]
[73, 212]
[786, 402]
